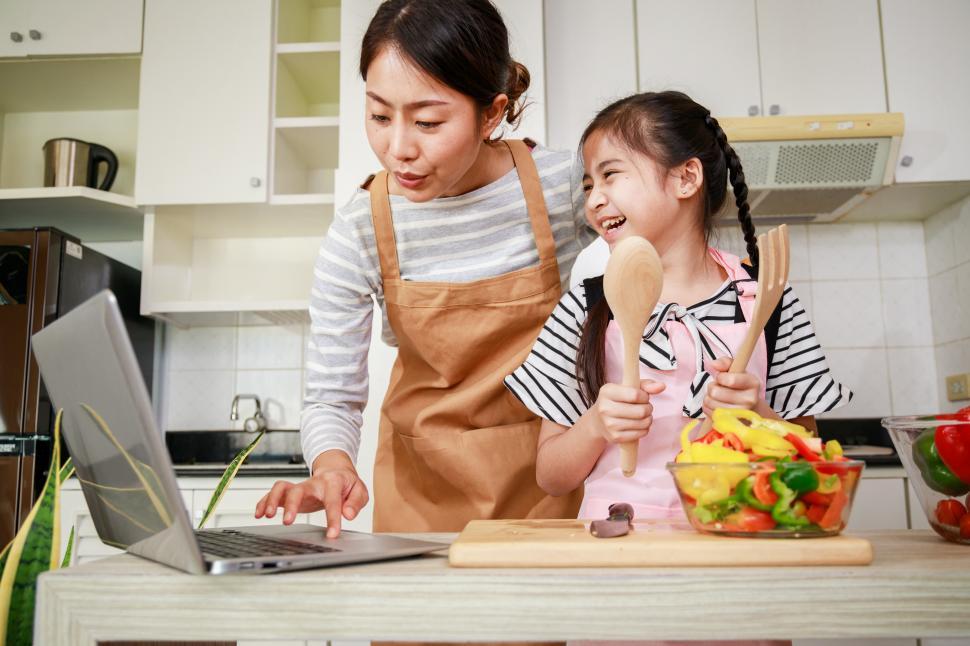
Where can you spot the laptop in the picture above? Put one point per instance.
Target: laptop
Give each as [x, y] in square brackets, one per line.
[90, 371]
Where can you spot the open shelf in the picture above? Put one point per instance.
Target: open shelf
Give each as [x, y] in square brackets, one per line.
[89, 214]
[308, 83]
[302, 21]
[305, 159]
[211, 264]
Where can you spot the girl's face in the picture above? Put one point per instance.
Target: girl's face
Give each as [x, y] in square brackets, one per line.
[426, 134]
[628, 193]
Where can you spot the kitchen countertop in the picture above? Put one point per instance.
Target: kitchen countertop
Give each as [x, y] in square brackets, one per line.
[917, 586]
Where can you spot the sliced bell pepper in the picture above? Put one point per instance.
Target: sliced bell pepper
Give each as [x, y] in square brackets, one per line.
[745, 493]
[953, 445]
[762, 488]
[759, 440]
[832, 450]
[800, 477]
[802, 448]
[936, 474]
[829, 483]
[782, 512]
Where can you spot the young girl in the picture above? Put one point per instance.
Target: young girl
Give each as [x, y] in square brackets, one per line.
[657, 166]
[465, 243]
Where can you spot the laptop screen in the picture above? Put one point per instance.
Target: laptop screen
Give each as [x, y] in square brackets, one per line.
[90, 371]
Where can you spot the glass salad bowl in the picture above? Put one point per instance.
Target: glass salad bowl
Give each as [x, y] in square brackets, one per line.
[935, 451]
[768, 499]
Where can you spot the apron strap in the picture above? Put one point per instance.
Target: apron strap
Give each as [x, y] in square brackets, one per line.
[525, 167]
[380, 210]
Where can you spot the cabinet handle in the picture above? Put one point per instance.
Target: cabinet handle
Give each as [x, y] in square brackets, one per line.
[753, 110]
[34, 34]
[16, 37]
[774, 110]
[255, 182]
[906, 161]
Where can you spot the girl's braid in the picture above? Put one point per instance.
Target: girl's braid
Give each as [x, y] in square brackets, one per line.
[738, 185]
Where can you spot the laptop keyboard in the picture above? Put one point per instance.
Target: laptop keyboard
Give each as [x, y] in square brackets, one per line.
[231, 543]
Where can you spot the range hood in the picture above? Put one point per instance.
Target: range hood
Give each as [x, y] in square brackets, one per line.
[814, 168]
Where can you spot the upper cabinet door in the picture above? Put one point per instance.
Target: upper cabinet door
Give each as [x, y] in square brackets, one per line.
[203, 110]
[14, 39]
[821, 57]
[706, 48]
[926, 56]
[70, 27]
[582, 80]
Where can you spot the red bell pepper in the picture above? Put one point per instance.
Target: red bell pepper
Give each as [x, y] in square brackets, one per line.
[802, 448]
[833, 515]
[953, 445]
[733, 441]
[762, 488]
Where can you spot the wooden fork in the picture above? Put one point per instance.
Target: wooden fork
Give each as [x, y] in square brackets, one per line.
[772, 276]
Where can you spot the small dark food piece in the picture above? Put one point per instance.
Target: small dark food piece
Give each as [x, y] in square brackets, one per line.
[618, 523]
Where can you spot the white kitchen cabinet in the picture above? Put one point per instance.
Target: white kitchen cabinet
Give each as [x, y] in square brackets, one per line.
[926, 51]
[69, 27]
[706, 48]
[575, 92]
[879, 503]
[204, 105]
[764, 57]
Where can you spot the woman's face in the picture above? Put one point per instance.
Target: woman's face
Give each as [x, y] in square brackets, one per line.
[426, 134]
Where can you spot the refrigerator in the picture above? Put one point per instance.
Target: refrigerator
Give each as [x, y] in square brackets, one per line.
[44, 273]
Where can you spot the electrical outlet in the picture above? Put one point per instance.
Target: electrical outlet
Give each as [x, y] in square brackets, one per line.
[958, 387]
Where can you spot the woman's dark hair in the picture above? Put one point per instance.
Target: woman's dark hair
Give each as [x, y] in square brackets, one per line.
[462, 43]
[670, 128]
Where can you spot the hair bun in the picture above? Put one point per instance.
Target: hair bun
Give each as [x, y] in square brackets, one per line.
[519, 79]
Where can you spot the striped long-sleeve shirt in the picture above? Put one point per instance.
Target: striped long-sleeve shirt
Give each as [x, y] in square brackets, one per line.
[480, 234]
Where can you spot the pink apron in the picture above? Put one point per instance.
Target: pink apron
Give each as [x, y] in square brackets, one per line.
[651, 490]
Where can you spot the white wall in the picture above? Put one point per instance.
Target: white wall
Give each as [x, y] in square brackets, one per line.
[948, 265]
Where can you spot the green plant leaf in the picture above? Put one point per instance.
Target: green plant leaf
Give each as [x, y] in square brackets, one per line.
[70, 548]
[227, 477]
[34, 550]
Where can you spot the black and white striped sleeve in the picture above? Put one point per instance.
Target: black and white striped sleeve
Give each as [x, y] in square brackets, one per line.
[799, 382]
[546, 381]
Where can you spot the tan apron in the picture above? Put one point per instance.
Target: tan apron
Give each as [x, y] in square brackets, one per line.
[454, 443]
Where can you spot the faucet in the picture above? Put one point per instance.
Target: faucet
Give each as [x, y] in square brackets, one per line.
[254, 424]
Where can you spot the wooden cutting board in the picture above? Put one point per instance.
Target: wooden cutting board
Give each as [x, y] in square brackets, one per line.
[568, 543]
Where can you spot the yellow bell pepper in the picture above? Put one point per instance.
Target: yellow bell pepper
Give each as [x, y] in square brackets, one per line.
[755, 436]
[707, 484]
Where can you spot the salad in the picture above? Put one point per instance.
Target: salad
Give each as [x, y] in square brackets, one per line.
[755, 476]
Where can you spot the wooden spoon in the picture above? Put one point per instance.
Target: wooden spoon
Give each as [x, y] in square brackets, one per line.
[632, 285]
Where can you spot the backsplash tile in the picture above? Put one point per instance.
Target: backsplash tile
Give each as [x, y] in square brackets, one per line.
[848, 314]
[912, 380]
[906, 312]
[902, 252]
[201, 348]
[866, 373]
[939, 232]
[198, 399]
[843, 251]
[270, 347]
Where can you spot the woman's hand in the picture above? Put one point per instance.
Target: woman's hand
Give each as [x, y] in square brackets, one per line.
[625, 414]
[334, 486]
[734, 390]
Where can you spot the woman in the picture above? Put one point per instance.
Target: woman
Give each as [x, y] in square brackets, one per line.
[466, 243]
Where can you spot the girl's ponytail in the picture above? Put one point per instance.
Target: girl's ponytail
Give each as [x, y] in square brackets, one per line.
[736, 175]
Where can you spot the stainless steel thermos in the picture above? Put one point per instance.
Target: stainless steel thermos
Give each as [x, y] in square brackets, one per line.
[72, 162]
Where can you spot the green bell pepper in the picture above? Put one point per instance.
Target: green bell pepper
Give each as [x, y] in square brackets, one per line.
[800, 477]
[745, 493]
[936, 474]
[783, 511]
